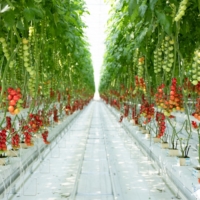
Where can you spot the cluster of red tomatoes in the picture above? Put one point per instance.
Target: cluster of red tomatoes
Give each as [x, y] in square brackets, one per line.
[15, 140]
[55, 115]
[194, 125]
[35, 121]
[15, 100]
[27, 138]
[160, 118]
[176, 97]
[3, 136]
[75, 106]
[197, 88]
[45, 136]
[67, 109]
[160, 96]
[8, 123]
[135, 117]
[147, 111]
[172, 102]
[115, 103]
[139, 85]
[126, 110]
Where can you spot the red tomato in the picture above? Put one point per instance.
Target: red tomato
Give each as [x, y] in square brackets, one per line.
[172, 93]
[10, 89]
[12, 103]
[13, 92]
[10, 97]
[172, 98]
[16, 98]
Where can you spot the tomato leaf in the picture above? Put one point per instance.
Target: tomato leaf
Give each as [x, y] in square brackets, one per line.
[29, 14]
[142, 10]
[38, 12]
[165, 22]
[20, 25]
[152, 4]
[135, 13]
[9, 18]
[141, 36]
[132, 7]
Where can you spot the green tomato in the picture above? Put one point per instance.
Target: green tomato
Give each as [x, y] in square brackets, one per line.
[31, 72]
[2, 40]
[26, 59]
[195, 59]
[167, 38]
[4, 44]
[26, 64]
[26, 53]
[7, 56]
[194, 77]
[25, 47]
[183, 8]
[194, 82]
[184, 2]
[5, 50]
[182, 12]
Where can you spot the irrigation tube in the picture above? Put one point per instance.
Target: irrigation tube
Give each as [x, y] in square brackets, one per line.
[185, 191]
[12, 177]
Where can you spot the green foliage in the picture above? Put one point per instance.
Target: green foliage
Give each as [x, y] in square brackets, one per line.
[136, 29]
[58, 51]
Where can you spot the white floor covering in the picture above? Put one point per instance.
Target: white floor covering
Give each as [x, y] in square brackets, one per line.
[94, 160]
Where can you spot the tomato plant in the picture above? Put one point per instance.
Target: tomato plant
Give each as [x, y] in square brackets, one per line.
[41, 43]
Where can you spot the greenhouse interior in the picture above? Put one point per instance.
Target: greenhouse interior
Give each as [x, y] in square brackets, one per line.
[99, 99]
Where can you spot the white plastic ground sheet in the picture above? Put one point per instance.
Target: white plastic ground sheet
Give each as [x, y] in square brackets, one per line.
[94, 159]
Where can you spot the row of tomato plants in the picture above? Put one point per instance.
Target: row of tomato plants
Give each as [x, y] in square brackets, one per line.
[152, 59]
[45, 67]
[24, 128]
[162, 109]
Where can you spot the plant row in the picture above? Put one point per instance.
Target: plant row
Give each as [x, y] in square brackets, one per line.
[45, 67]
[152, 61]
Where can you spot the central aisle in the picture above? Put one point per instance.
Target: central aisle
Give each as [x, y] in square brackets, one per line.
[95, 159]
